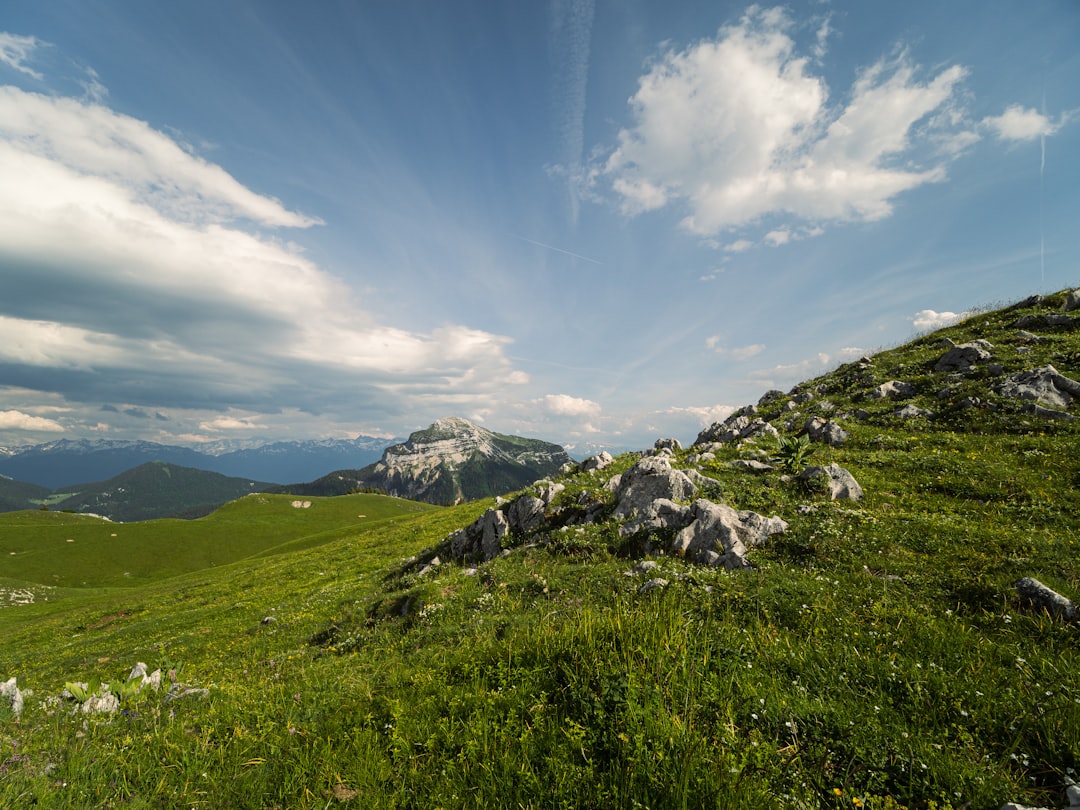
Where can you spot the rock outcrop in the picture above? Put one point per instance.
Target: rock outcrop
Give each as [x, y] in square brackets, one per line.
[1045, 386]
[834, 480]
[962, 357]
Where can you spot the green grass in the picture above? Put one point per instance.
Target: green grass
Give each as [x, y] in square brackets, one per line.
[876, 657]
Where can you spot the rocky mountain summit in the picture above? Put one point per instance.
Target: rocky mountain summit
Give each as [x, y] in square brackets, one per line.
[449, 462]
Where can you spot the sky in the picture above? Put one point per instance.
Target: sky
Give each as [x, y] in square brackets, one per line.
[596, 222]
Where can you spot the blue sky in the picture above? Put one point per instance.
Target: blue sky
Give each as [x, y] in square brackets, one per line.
[589, 221]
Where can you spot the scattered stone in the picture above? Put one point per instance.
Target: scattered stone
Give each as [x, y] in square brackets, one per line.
[840, 484]
[1044, 385]
[894, 389]
[10, 690]
[597, 462]
[643, 567]
[912, 412]
[179, 690]
[751, 466]
[653, 584]
[735, 428]
[1027, 337]
[964, 356]
[827, 431]
[1034, 594]
[433, 563]
[268, 620]
[720, 535]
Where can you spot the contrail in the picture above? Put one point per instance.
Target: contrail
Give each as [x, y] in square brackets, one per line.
[1042, 171]
[558, 250]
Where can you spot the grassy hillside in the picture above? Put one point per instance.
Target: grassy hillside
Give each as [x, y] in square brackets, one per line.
[15, 495]
[876, 657]
[57, 549]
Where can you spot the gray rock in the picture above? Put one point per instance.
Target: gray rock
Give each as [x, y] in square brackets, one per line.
[1072, 301]
[735, 428]
[720, 535]
[1027, 337]
[525, 514]
[964, 356]
[549, 490]
[495, 528]
[660, 514]
[840, 484]
[827, 431]
[650, 479]
[911, 412]
[667, 444]
[653, 584]
[751, 466]
[643, 567]
[10, 690]
[1033, 594]
[770, 396]
[1044, 385]
[597, 462]
[893, 389]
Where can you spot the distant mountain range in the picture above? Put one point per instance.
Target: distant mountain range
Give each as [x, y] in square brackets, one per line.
[65, 463]
[449, 462]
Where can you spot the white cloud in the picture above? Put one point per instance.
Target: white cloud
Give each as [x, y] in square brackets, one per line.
[15, 50]
[90, 140]
[224, 423]
[128, 276]
[738, 127]
[736, 353]
[1020, 124]
[565, 405]
[929, 319]
[17, 420]
[704, 416]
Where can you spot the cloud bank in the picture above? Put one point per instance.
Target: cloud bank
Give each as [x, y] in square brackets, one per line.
[138, 272]
[738, 128]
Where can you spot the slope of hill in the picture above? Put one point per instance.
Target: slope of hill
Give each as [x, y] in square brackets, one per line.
[156, 490]
[19, 494]
[875, 654]
[449, 462]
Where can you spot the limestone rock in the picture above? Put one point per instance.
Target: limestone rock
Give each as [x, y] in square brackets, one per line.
[650, 479]
[894, 389]
[653, 584]
[1045, 386]
[841, 484]
[597, 462]
[1072, 301]
[660, 514]
[667, 444]
[1035, 595]
[911, 412]
[751, 466]
[735, 428]
[720, 535]
[964, 356]
[10, 690]
[827, 431]
[525, 514]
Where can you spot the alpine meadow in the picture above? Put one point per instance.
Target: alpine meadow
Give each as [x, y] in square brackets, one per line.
[872, 650]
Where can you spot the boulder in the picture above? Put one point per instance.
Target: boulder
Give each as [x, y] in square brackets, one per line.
[719, 535]
[660, 514]
[964, 356]
[840, 484]
[667, 444]
[893, 389]
[650, 479]
[10, 690]
[1033, 594]
[597, 462]
[1045, 386]
[911, 412]
[1072, 301]
[827, 431]
[495, 527]
[751, 466]
[525, 514]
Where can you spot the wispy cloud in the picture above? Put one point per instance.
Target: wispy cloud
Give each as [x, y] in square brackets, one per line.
[558, 250]
[737, 352]
[570, 43]
[15, 52]
[738, 128]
